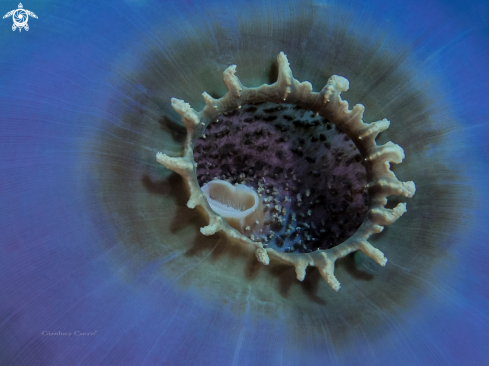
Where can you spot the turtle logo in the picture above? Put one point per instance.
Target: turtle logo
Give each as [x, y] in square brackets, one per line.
[20, 17]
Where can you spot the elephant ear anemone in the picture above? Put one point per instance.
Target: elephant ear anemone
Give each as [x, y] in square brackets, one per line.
[329, 105]
[109, 258]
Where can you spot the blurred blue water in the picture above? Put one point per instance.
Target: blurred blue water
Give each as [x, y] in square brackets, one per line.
[65, 87]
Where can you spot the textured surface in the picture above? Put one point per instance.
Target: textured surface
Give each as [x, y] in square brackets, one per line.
[308, 172]
[95, 236]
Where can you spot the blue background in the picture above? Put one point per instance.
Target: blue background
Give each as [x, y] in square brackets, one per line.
[95, 235]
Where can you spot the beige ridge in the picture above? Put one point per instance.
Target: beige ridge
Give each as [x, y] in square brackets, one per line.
[382, 182]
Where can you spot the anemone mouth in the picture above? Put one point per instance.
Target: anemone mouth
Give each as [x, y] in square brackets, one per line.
[232, 201]
[328, 104]
[238, 204]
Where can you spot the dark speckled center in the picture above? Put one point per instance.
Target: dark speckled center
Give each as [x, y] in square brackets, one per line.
[309, 172]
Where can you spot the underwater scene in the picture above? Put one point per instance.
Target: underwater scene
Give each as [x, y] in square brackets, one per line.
[244, 183]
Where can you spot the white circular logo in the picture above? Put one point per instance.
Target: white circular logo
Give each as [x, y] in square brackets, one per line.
[20, 17]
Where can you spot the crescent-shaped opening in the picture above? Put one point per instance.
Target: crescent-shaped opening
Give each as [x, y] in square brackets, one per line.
[231, 201]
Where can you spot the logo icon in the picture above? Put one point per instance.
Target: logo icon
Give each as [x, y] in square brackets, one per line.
[20, 17]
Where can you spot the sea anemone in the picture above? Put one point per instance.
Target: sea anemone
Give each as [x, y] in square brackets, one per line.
[102, 261]
[238, 211]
